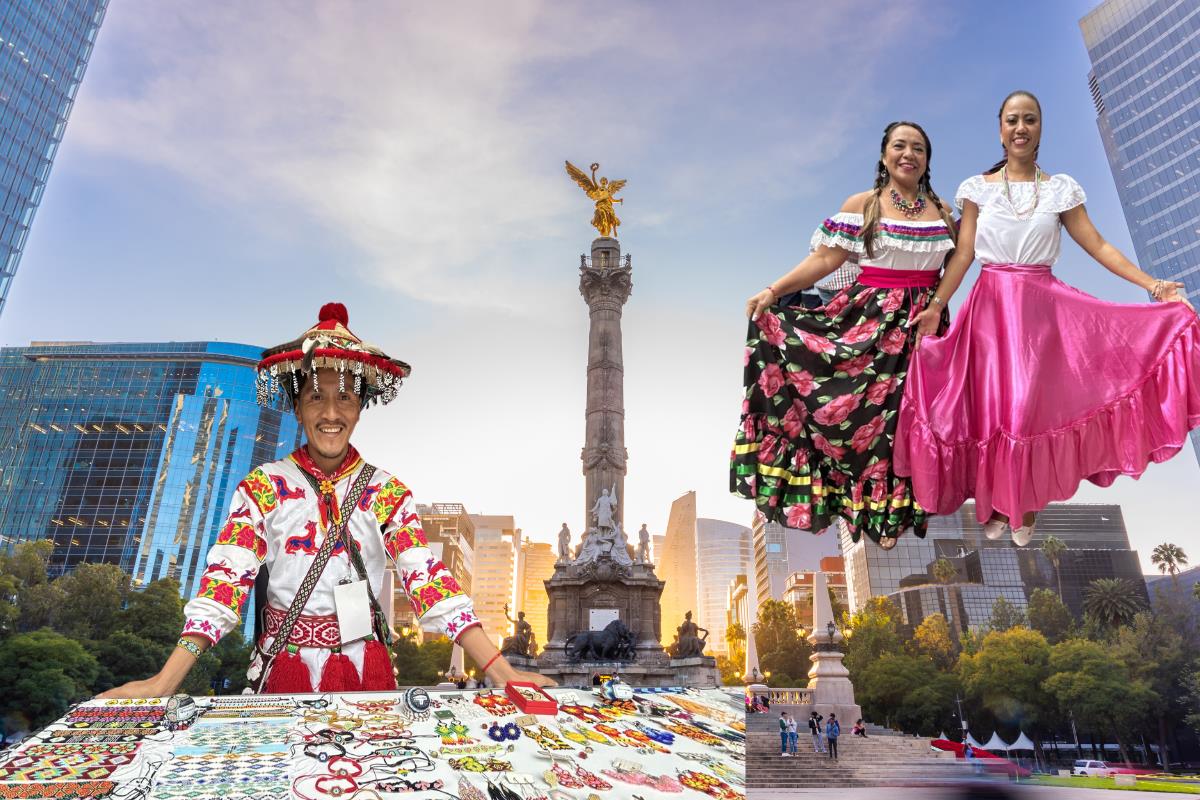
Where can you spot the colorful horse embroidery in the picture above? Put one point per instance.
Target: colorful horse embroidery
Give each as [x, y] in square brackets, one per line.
[285, 492]
[307, 543]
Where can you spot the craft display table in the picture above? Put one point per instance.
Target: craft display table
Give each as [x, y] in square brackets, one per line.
[473, 745]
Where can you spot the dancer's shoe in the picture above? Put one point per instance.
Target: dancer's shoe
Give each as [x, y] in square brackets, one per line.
[994, 528]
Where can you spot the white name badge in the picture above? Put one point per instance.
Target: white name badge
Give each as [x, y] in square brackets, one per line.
[353, 610]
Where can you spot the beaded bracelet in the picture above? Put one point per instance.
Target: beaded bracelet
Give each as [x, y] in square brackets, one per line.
[190, 646]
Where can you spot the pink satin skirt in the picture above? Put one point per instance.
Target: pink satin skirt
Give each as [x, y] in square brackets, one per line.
[1037, 386]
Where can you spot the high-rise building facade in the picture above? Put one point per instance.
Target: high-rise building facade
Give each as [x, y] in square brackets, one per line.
[1145, 82]
[128, 454]
[1097, 547]
[780, 551]
[44, 50]
[536, 566]
[497, 545]
[677, 565]
[723, 552]
[799, 589]
[451, 535]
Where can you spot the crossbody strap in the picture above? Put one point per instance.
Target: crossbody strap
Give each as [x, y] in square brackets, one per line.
[341, 533]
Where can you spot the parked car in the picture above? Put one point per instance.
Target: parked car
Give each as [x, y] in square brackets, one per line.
[1095, 769]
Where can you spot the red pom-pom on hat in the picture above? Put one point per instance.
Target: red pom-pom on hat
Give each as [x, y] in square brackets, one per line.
[334, 312]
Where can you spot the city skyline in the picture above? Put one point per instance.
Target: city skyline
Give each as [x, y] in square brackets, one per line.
[203, 146]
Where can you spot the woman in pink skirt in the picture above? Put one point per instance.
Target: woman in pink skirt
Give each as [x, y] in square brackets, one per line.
[1038, 385]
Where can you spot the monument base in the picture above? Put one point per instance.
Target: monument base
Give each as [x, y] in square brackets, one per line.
[697, 672]
[581, 674]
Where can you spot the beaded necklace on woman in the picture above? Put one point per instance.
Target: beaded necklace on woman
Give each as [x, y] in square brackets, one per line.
[909, 210]
[1037, 184]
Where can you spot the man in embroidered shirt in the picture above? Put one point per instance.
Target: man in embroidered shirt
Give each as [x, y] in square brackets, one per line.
[283, 512]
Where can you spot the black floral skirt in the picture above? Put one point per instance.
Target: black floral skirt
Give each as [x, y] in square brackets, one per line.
[823, 390]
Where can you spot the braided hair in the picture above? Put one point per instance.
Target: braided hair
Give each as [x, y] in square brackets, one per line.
[1000, 115]
[873, 210]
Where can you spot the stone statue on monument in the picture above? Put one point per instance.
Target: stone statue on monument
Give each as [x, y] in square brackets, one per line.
[643, 551]
[564, 544]
[603, 192]
[603, 510]
[688, 641]
[521, 642]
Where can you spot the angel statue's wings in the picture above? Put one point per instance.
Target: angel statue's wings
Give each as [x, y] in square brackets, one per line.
[581, 177]
[616, 186]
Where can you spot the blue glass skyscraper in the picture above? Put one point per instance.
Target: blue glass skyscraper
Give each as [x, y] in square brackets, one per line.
[129, 453]
[1145, 82]
[44, 50]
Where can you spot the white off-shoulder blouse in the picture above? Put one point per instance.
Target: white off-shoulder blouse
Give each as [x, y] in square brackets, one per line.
[1002, 238]
[899, 244]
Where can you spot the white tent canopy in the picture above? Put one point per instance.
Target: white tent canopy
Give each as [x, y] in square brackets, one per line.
[1023, 742]
[995, 744]
[971, 740]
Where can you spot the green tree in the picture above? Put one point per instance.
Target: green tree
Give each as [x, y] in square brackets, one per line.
[1112, 602]
[29, 562]
[41, 674]
[1196, 591]
[1169, 558]
[1005, 676]
[1050, 616]
[40, 605]
[875, 631]
[155, 613]
[1091, 682]
[781, 650]
[10, 612]
[731, 670]
[93, 595]
[907, 691]
[1153, 653]
[735, 638]
[124, 656]
[944, 571]
[932, 639]
[1005, 615]
[1053, 548]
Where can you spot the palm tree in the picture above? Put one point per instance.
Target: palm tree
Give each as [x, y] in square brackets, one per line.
[1196, 591]
[944, 571]
[1169, 558]
[1112, 601]
[735, 637]
[1053, 548]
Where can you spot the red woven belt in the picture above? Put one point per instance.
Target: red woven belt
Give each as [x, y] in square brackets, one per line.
[309, 631]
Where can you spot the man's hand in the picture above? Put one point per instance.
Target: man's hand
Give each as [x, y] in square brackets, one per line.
[135, 690]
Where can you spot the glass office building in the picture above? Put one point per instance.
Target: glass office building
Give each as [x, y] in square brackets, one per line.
[128, 454]
[1145, 82]
[44, 50]
[1097, 547]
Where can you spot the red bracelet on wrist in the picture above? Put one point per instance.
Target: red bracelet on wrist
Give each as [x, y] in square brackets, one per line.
[491, 661]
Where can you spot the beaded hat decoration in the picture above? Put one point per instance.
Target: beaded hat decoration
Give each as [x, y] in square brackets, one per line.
[329, 345]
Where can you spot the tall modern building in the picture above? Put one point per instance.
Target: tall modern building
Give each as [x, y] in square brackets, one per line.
[780, 551]
[128, 454]
[536, 566]
[1097, 547]
[723, 552]
[1145, 82]
[451, 535]
[677, 564]
[44, 50]
[497, 545]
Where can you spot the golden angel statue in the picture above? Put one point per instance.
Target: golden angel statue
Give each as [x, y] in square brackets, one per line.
[603, 192]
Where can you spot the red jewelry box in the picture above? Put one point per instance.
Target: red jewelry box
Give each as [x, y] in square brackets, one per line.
[530, 699]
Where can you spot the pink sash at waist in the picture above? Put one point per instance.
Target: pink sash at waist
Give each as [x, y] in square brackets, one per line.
[1018, 269]
[881, 278]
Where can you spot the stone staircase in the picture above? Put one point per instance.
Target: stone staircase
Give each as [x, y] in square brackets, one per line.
[887, 760]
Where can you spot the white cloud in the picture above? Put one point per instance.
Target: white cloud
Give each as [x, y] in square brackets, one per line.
[430, 138]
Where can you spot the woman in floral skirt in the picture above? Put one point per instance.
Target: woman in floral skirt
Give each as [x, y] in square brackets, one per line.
[823, 385]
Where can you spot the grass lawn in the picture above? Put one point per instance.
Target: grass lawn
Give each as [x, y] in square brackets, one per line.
[1108, 783]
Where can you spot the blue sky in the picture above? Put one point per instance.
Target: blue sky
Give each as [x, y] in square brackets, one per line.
[230, 166]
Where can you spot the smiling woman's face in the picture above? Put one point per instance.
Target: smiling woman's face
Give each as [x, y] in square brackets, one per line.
[1020, 127]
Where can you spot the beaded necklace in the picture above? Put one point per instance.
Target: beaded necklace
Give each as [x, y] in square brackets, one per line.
[1037, 185]
[909, 210]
